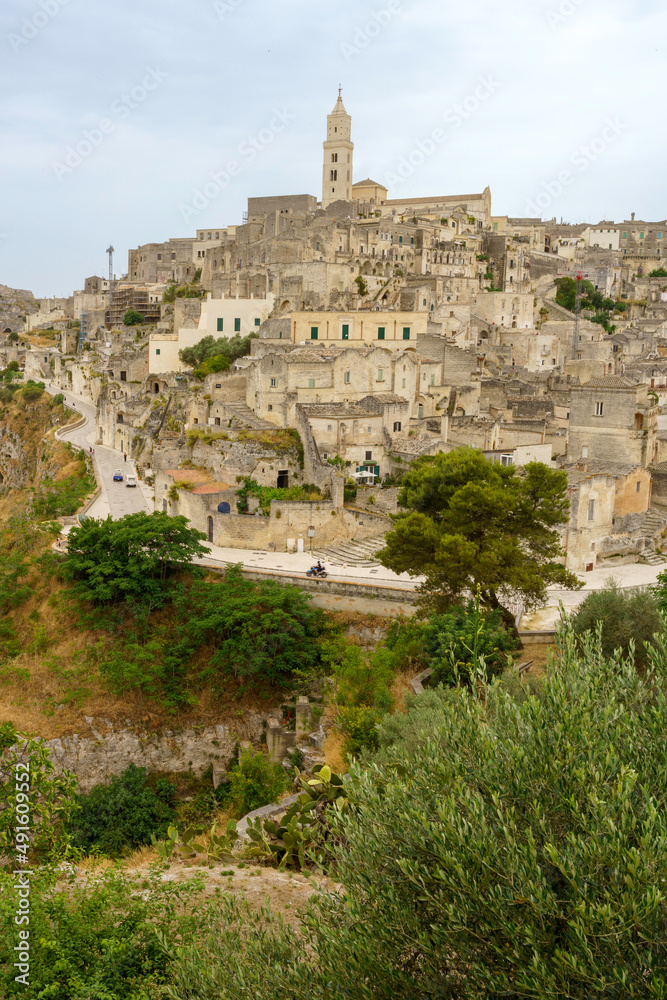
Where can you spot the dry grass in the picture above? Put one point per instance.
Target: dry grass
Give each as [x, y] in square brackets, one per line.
[538, 653]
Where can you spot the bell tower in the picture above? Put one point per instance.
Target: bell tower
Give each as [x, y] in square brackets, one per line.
[338, 150]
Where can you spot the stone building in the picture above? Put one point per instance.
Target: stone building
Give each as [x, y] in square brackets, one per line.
[613, 418]
[355, 329]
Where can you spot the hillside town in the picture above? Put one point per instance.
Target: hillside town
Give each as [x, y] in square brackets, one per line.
[374, 330]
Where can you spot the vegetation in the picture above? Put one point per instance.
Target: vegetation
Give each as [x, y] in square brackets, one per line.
[591, 299]
[362, 287]
[471, 524]
[254, 783]
[63, 497]
[659, 272]
[456, 643]
[27, 775]
[627, 619]
[228, 348]
[133, 318]
[122, 815]
[265, 494]
[130, 559]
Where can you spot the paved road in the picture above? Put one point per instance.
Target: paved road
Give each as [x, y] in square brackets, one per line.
[116, 498]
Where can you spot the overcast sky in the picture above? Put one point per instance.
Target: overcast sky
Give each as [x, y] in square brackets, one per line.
[114, 115]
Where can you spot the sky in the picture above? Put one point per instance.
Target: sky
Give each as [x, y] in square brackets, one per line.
[140, 120]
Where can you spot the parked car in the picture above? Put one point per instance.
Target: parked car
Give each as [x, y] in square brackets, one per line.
[131, 481]
[118, 476]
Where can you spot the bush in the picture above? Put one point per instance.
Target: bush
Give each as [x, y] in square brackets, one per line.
[133, 318]
[256, 782]
[122, 815]
[359, 727]
[624, 616]
[58, 399]
[31, 392]
[454, 643]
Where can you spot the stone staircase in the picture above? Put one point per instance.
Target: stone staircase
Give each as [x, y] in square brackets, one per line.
[243, 413]
[352, 553]
[652, 558]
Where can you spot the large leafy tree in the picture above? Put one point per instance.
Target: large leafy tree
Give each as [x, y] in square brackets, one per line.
[130, 559]
[474, 524]
[208, 348]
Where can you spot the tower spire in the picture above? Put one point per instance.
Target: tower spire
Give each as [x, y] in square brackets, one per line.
[338, 151]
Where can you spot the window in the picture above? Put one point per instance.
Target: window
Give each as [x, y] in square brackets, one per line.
[325, 455]
[257, 321]
[270, 408]
[380, 377]
[400, 239]
[584, 451]
[591, 510]
[159, 256]
[311, 383]
[217, 421]
[220, 325]
[403, 386]
[406, 333]
[237, 326]
[329, 427]
[625, 236]
[369, 456]
[334, 175]
[641, 236]
[173, 256]
[420, 412]
[123, 376]
[334, 157]
[638, 488]
[658, 236]
[507, 459]
[314, 332]
[346, 331]
[397, 425]
[598, 409]
[218, 385]
[196, 420]
[432, 379]
[380, 333]
[274, 383]
[157, 350]
[346, 378]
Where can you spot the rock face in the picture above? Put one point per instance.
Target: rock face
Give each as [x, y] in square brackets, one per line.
[95, 760]
[15, 304]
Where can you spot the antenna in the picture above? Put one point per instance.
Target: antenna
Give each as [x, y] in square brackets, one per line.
[110, 251]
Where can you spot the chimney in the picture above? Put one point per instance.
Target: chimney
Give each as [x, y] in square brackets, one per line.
[632, 217]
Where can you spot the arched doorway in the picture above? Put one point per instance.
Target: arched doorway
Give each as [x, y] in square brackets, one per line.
[224, 508]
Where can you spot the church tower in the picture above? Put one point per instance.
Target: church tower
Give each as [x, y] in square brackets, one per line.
[338, 150]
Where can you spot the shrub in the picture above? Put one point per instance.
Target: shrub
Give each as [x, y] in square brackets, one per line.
[624, 616]
[359, 727]
[455, 641]
[133, 318]
[123, 814]
[31, 393]
[58, 399]
[256, 782]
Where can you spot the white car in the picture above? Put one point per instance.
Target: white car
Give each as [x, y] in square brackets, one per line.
[131, 481]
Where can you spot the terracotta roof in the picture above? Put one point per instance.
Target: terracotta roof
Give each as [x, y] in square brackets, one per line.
[215, 487]
[198, 476]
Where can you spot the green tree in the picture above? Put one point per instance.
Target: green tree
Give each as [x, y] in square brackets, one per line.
[218, 363]
[521, 853]
[133, 318]
[124, 814]
[13, 338]
[659, 272]
[32, 392]
[209, 347]
[264, 632]
[362, 287]
[455, 642]
[473, 523]
[256, 782]
[130, 559]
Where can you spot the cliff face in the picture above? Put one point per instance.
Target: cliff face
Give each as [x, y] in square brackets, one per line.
[15, 304]
[27, 452]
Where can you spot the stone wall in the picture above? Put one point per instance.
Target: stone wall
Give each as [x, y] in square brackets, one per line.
[109, 749]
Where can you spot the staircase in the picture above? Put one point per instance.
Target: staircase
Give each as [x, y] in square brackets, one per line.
[353, 553]
[652, 558]
[243, 413]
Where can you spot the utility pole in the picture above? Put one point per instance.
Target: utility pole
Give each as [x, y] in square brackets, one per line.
[577, 314]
